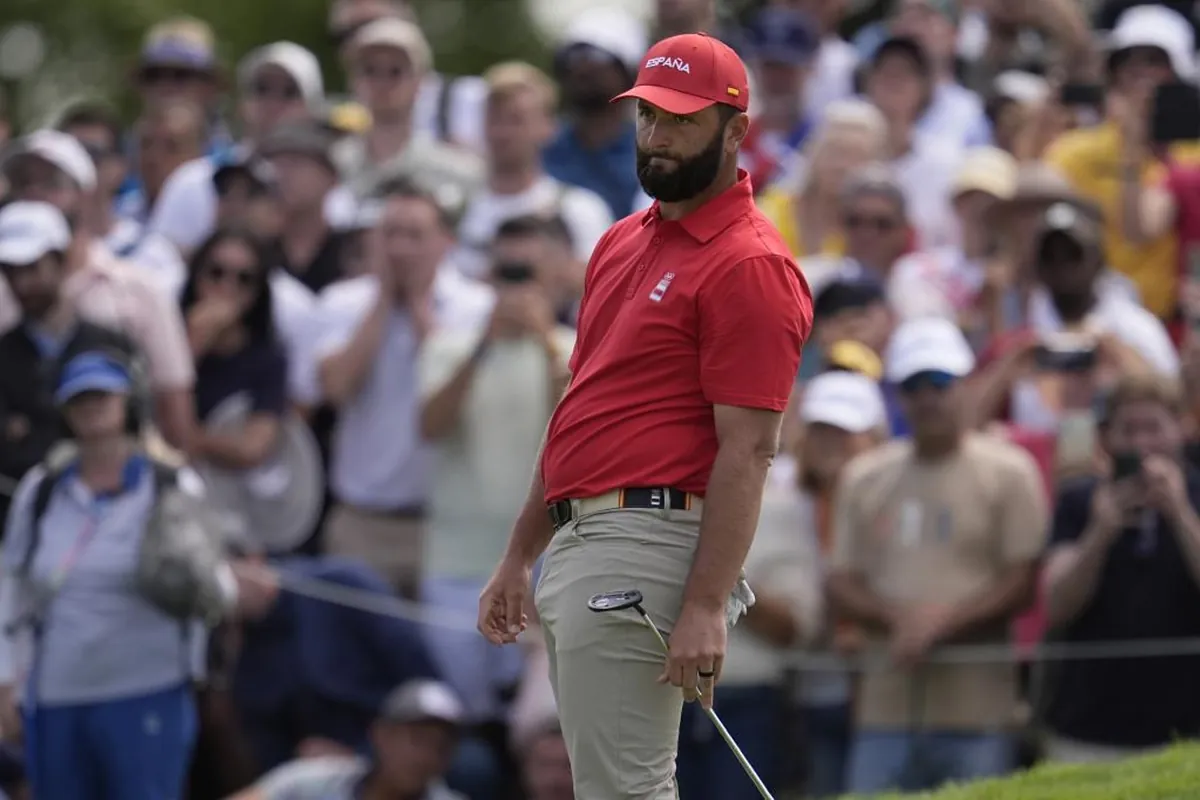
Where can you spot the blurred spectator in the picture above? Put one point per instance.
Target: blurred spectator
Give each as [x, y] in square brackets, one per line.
[386, 61]
[98, 129]
[782, 45]
[487, 393]
[1124, 564]
[1014, 99]
[805, 205]
[836, 61]
[930, 507]
[367, 368]
[34, 240]
[168, 135]
[785, 565]
[954, 114]
[900, 81]
[545, 766]
[854, 311]
[948, 281]
[308, 249]
[450, 108]
[412, 741]
[1073, 301]
[312, 674]
[123, 716]
[178, 62]
[248, 198]
[874, 215]
[278, 83]
[1150, 45]
[53, 167]
[227, 303]
[597, 59]
[843, 416]
[520, 122]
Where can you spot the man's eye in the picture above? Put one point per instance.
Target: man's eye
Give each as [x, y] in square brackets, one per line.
[682, 120]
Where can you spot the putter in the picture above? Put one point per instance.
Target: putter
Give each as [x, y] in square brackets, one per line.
[632, 598]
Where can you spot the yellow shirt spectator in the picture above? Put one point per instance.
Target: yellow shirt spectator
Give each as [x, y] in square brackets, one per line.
[1090, 158]
[779, 206]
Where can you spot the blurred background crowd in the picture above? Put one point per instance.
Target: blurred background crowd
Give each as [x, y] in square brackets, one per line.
[352, 312]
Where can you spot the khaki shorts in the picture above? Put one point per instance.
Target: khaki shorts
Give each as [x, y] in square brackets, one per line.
[620, 725]
[392, 545]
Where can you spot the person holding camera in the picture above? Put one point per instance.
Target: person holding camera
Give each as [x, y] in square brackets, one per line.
[487, 395]
[1082, 331]
[1124, 564]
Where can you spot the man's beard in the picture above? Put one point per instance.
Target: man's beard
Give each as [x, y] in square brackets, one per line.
[690, 178]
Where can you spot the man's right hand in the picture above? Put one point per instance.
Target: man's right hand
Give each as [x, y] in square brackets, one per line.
[1112, 503]
[501, 605]
[10, 715]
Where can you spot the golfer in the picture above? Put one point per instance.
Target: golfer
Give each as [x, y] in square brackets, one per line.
[690, 331]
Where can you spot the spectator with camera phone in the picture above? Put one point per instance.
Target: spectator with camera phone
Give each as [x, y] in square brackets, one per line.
[1081, 333]
[487, 394]
[1124, 563]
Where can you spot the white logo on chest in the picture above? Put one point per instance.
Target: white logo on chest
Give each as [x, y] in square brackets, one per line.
[656, 294]
[671, 62]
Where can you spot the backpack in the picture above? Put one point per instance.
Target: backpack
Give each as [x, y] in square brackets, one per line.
[180, 555]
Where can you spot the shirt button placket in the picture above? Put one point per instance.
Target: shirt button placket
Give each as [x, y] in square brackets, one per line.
[640, 272]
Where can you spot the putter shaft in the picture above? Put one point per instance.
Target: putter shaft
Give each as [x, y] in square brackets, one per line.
[712, 715]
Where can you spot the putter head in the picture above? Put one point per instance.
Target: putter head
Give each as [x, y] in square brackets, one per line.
[615, 601]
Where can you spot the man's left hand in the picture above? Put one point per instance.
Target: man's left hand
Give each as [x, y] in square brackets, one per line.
[917, 631]
[697, 651]
[1165, 487]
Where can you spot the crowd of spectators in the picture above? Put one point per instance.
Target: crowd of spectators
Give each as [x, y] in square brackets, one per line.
[996, 205]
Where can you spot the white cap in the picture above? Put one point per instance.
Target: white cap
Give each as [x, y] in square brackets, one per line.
[1157, 26]
[60, 149]
[30, 230]
[611, 30]
[845, 400]
[299, 63]
[1023, 87]
[396, 33]
[927, 344]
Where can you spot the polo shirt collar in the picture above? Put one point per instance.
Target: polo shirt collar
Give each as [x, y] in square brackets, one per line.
[716, 215]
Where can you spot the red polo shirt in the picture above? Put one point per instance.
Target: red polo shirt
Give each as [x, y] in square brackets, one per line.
[677, 316]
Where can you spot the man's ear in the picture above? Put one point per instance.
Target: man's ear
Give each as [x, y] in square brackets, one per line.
[736, 130]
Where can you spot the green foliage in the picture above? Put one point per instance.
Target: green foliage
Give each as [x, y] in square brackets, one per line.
[1171, 775]
[93, 43]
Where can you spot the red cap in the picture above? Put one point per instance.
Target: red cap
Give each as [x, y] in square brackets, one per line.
[690, 72]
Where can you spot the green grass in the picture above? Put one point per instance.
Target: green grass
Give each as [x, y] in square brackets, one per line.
[1173, 774]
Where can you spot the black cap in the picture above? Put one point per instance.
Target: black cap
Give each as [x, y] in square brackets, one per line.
[903, 46]
[422, 701]
[260, 174]
[844, 293]
[304, 139]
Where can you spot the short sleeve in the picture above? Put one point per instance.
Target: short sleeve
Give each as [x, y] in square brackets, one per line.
[754, 320]
[1072, 512]
[587, 217]
[1024, 518]
[847, 529]
[186, 209]
[336, 323]
[158, 330]
[269, 394]
[442, 355]
[17, 524]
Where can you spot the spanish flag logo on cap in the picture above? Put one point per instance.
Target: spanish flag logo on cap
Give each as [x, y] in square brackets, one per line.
[732, 91]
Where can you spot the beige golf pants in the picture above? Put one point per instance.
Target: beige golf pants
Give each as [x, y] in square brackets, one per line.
[621, 726]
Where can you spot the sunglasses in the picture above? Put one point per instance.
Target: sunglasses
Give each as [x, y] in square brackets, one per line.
[879, 224]
[392, 73]
[267, 91]
[933, 379]
[169, 75]
[222, 273]
[98, 153]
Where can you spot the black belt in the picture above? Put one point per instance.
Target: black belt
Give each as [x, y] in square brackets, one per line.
[656, 498]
